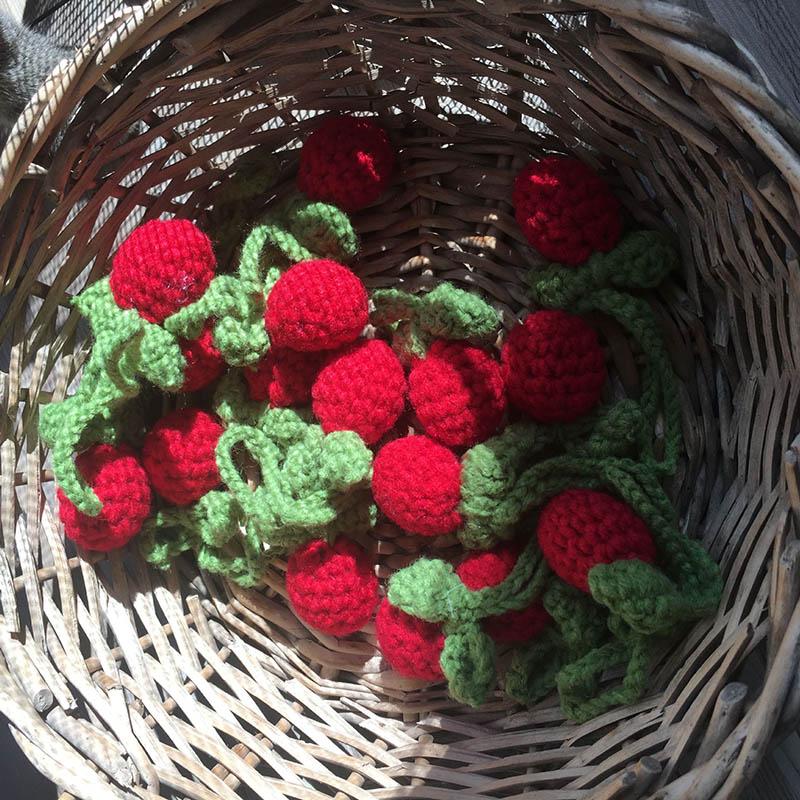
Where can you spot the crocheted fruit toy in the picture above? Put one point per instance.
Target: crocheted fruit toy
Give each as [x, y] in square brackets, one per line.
[554, 366]
[480, 569]
[412, 646]
[284, 377]
[332, 587]
[179, 455]
[161, 267]
[581, 528]
[416, 483]
[347, 161]
[457, 393]
[120, 482]
[361, 389]
[316, 305]
[565, 210]
[204, 363]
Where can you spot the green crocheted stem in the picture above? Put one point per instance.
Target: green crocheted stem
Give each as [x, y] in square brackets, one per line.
[533, 670]
[467, 661]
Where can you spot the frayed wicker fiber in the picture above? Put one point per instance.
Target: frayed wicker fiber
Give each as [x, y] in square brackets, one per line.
[124, 682]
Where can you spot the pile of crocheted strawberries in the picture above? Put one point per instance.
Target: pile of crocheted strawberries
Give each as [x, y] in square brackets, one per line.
[309, 409]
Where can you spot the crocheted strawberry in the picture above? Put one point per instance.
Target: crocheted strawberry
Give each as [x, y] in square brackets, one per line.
[161, 267]
[347, 161]
[204, 363]
[179, 455]
[417, 484]
[565, 210]
[120, 483]
[284, 377]
[360, 389]
[332, 587]
[316, 305]
[412, 646]
[581, 528]
[482, 568]
[553, 366]
[457, 392]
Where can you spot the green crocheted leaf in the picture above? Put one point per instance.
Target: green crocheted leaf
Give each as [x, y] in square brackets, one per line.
[452, 313]
[581, 623]
[346, 460]
[161, 360]
[392, 306]
[232, 402]
[531, 675]
[242, 343]
[321, 228]
[286, 426]
[467, 661]
[430, 589]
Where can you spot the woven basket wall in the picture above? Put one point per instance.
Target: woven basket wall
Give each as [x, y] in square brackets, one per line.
[123, 682]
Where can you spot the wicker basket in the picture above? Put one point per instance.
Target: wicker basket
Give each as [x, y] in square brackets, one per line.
[122, 682]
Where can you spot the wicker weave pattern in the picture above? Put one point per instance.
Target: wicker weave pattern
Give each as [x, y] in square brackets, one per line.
[125, 683]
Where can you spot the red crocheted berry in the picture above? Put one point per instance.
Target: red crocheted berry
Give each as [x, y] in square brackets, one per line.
[204, 363]
[580, 528]
[566, 210]
[284, 377]
[481, 569]
[120, 482]
[179, 455]
[347, 161]
[361, 389]
[316, 305]
[417, 484]
[332, 587]
[412, 646]
[458, 394]
[161, 267]
[554, 367]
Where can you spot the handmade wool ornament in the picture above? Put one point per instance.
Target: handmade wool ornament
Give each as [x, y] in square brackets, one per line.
[581, 528]
[284, 377]
[457, 393]
[120, 482]
[347, 161]
[332, 587]
[411, 645]
[565, 210]
[482, 568]
[161, 267]
[204, 363]
[316, 305]
[179, 455]
[416, 483]
[360, 389]
[554, 367]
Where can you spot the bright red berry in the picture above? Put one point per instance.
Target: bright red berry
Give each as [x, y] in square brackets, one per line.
[554, 366]
[179, 455]
[580, 528]
[347, 161]
[360, 389]
[417, 484]
[566, 210]
[332, 587]
[412, 646]
[120, 483]
[458, 394]
[284, 377]
[316, 305]
[161, 267]
[204, 363]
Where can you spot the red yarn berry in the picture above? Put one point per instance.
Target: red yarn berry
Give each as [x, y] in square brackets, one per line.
[204, 363]
[179, 455]
[120, 483]
[580, 528]
[332, 587]
[566, 210]
[361, 389]
[554, 367]
[347, 161]
[457, 393]
[161, 267]
[417, 484]
[412, 646]
[316, 305]
[284, 377]
[481, 569]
